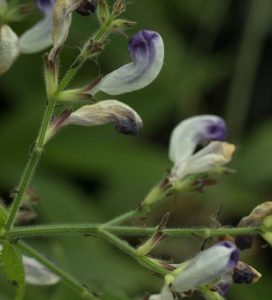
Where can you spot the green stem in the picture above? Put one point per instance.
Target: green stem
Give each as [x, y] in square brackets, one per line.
[31, 164]
[145, 261]
[40, 141]
[94, 229]
[69, 280]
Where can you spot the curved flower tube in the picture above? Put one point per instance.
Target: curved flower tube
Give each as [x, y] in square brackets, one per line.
[207, 131]
[146, 49]
[127, 121]
[39, 36]
[8, 48]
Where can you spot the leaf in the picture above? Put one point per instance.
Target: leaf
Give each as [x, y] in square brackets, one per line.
[14, 269]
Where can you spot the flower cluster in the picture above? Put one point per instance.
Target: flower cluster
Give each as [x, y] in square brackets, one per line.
[35, 39]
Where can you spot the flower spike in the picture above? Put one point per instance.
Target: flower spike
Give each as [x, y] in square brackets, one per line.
[147, 53]
[38, 37]
[127, 121]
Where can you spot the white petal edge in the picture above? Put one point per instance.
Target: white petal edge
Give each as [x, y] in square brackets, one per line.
[8, 48]
[38, 37]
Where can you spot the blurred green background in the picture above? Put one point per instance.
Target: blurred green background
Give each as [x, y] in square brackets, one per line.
[218, 61]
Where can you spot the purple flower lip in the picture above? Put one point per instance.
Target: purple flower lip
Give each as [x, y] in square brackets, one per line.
[234, 257]
[215, 131]
[45, 5]
[142, 42]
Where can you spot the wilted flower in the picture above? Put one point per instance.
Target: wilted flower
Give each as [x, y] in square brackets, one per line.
[36, 273]
[126, 120]
[8, 48]
[147, 53]
[206, 131]
[61, 22]
[39, 37]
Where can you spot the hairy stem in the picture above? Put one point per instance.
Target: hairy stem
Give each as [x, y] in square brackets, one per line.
[94, 229]
[68, 279]
[146, 261]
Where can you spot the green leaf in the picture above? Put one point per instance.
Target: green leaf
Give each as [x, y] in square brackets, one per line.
[14, 269]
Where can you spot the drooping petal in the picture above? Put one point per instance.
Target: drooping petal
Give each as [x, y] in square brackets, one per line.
[192, 132]
[37, 274]
[39, 37]
[147, 53]
[206, 267]
[61, 22]
[127, 121]
[8, 48]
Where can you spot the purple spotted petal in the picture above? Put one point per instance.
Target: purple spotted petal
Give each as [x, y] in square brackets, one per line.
[234, 257]
[147, 53]
[195, 131]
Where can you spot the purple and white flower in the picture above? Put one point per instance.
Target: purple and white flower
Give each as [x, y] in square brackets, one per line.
[146, 49]
[205, 269]
[206, 131]
[39, 37]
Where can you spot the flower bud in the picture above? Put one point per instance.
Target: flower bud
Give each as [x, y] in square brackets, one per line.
[8, 48]
[102, 11]
[87, 7]
[127, 121]
[147, 53]
[119, 7]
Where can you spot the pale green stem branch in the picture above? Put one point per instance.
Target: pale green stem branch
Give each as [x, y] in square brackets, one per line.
[94, 229]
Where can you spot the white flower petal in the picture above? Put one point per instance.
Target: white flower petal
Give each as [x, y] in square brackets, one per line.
[206, 267]
[147, 52]
[37, 38]
[216, 154]
[8, 48]
[127, 121]
[192, 132]
[37, 274]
